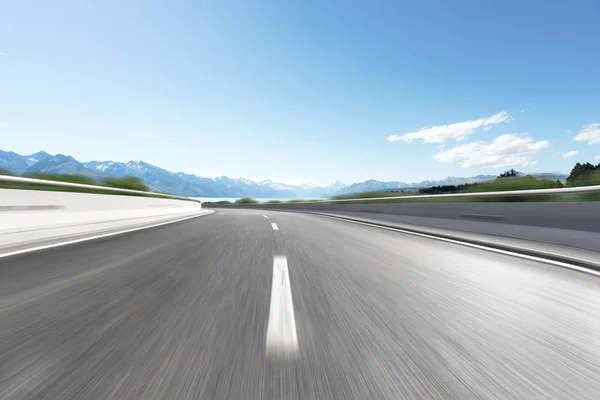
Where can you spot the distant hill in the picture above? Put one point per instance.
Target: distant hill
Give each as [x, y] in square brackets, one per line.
[550, 175]
[17, 163]
[61, 164]
[162, 180]
[183, 184]
[371, 186]
[379, 186]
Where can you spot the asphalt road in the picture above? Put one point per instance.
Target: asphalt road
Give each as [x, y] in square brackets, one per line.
[577, 216]
[182, 312]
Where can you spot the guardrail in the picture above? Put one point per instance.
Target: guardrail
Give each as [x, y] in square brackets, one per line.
[19, 179]
[529, 192]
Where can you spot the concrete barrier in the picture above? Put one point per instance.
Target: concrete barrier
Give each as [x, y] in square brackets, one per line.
[30, 218]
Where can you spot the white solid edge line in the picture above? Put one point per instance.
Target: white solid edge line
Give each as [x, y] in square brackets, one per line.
[281, 328]
[85, 239]
[475, 246]
[274, 226]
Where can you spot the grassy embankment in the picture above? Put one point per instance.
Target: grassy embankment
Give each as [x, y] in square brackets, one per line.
[130, 183]
[496, 185]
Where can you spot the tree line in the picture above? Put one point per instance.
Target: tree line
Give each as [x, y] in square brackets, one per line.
[584, 174]
[581, 175]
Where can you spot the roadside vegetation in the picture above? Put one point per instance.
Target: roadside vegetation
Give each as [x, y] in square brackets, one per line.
[246, 200]
[581, 175]
[584, 175]
[130, 183]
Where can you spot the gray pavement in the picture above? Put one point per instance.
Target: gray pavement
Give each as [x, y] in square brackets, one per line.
[576, 216]
[181, 312]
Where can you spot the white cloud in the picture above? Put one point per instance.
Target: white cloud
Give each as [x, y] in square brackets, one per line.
[589, 133]
[504, 151]
[523, 110]
[3, 54]
[457, 131]
[597, 157]
[487, 128]
[570, 154]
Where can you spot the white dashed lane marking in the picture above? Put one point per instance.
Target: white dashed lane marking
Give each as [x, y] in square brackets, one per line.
[281, 329]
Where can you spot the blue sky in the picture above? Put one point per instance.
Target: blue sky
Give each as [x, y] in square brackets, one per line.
[318, 90]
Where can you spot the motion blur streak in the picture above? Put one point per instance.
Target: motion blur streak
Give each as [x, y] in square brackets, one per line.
[181, 312]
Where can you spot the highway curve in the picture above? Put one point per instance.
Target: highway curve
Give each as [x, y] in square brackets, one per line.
[182, 311]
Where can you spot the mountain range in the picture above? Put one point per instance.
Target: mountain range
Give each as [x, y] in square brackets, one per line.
[182, 184]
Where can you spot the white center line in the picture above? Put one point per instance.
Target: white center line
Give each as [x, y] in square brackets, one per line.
[281, 330]
[266, 216]
[274, 226]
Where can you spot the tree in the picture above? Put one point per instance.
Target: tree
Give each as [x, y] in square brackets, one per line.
[582, 173]
[508, 174]
[445, 189]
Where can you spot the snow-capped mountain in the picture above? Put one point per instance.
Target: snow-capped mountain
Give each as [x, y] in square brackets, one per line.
[303, 188]
[110, 167]
[17, 163]
[180, 183]
[376, 186]
[372, 186]
[157, 179]
[37, 157]
[62, 164]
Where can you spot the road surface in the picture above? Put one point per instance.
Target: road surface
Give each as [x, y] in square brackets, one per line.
[244, 304]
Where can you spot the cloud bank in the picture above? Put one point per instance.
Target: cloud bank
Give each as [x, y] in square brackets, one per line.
[589, 133]
[457, 131]
[504, 151]
[570, 154]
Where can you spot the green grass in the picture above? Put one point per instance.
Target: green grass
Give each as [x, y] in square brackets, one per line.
[520, 183]
[62, 178]
[127, 182]
[130, 183]
[500, 199]
[496, 185]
